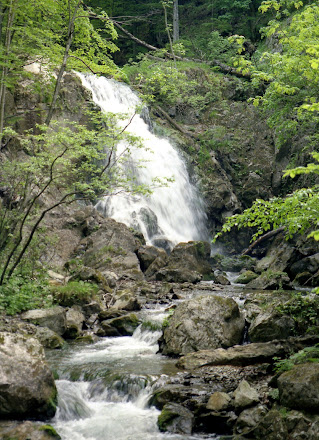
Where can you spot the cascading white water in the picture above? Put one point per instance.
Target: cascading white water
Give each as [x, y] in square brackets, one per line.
[171, 214]
[114, 379]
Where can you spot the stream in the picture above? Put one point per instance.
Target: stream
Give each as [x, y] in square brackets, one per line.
[104, 388]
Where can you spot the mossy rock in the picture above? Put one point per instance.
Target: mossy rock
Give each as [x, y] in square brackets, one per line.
[246, 277]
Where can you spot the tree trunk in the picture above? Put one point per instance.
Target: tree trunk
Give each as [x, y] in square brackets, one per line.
[5, 67]
[175, 22]
[64, 62]
[168, 33]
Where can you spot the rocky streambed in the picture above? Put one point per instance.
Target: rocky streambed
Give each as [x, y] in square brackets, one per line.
[122, 377]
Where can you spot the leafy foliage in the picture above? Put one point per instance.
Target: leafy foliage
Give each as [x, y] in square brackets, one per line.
[67, 159]
[304, 309]
[23, 293]
[308, 354]
[296, 213]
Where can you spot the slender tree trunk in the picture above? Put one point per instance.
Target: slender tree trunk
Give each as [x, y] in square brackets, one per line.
[175, 22]
[5, 61]
[64, 62]
[168, 33]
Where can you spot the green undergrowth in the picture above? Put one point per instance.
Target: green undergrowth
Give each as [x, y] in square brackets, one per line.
[304, 309]
[21, 293]
[308, 354]
[75, 292]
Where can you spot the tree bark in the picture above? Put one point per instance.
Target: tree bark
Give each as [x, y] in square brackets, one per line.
[175, 22]
[262, 238]
[224, 68]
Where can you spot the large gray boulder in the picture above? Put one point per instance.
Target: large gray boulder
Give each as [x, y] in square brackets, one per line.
[112, 247]
[193, 256]
[176, 418]
[271, 280]
[299, 387]
[271, 325]
[54, 318]
[148, 254]
[27, 386]
[203, 323]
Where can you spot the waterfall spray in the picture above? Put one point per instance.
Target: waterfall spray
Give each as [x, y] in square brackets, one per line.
[170, 214]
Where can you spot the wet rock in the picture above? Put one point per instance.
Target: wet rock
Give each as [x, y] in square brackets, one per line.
[53, 318]
[218, 401]
[172, 275]
[245, 395]
[27, 431]
[271, 427]
[125, 325]
[201, 323]
[91, 309]
[74, 322]
[246, 277]
[270, 280]
[111, 248]
[278, 257]
[27, 387]
[148, 254]
[233, 264]
[309, 264]
[48, 338]
[126, 300]
[241, 354]
[299, 387]
[271, 325]
[193, 256]
[176, 418]
[249, 419]
[220, 278]
[105, 329]
[156, 265]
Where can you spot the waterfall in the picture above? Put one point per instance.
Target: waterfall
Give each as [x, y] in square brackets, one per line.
[170, 214]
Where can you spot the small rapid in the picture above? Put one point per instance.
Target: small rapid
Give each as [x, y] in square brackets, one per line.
[171, 214]
[104, 388]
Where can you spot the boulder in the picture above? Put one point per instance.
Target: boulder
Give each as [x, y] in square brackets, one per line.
[27, 386]
[245, 277]
[299, 387]
[111, 248]
[202, 323]
[120, 326]
[249, 418]
[270, 280]
[280, 424]
[27, 431]
[271, 325]
[74, 322]
[182, 275]
[53, 318]
[307, 264]
[148, 254]
[193, 256]
[126, 300]
[245, 395]
[156, 265]
[220, 277]
[240, 355]
[176, 418]
[48, 338]
[218, 401]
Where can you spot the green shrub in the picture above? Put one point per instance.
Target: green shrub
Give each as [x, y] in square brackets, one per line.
[75, 292]
[21, 293]
[308, 354]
